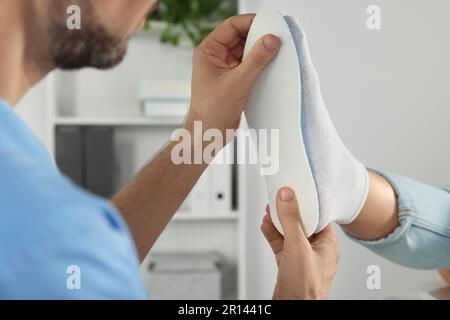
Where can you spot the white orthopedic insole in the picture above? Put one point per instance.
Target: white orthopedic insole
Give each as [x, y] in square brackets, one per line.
[275, 103]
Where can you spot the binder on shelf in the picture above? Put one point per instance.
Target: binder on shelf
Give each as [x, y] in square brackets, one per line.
[86, 156]
[200, 197]
[221, 181]
[99, 155]
[69, 153]
[185, 206]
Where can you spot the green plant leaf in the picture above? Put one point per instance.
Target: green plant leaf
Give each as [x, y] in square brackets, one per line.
[194, 19]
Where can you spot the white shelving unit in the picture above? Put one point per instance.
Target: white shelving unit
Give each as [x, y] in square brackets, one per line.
[117, 122]
[181, 216]
[142, 137]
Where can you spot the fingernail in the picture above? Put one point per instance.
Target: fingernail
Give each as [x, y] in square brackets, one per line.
[268, 209]
[286, 194]
[270, 42]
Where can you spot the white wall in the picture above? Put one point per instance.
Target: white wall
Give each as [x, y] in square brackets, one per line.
[387, 92]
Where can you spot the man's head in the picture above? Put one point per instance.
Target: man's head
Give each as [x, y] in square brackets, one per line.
[106, 27]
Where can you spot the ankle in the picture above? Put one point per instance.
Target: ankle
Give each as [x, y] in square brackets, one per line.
[380, 212]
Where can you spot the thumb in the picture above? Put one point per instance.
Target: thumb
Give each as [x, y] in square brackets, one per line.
[289, 215]
[262, 53]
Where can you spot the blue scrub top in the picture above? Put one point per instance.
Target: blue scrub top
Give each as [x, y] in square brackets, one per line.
[57, 241]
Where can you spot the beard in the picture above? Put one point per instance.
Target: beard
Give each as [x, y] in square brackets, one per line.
[91, 46]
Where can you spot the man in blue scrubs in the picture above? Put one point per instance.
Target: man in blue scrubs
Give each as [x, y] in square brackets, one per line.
[60, 242]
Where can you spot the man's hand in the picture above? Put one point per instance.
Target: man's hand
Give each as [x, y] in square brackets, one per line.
[221, 84]
[306, 267]
[222, 81]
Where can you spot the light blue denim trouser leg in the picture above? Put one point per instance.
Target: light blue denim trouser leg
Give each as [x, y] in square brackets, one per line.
[423, 239]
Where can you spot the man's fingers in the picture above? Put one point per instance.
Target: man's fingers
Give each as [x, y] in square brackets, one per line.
[232, 31]
[273, 237]
[289, 215]
[327, 234]
[267, 216]
[238, 51]
[226, 43]
[326, 242]
[260, 56]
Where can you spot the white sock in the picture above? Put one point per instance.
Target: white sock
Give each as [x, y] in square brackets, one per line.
[341, 180]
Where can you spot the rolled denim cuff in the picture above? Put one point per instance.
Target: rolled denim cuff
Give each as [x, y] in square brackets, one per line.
[422, 240]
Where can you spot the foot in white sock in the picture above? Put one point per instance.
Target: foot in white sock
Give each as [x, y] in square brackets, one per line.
[275, 104]
[331, 185]
[341, 180]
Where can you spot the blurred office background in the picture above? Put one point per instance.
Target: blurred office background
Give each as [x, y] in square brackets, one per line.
[387, 92]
